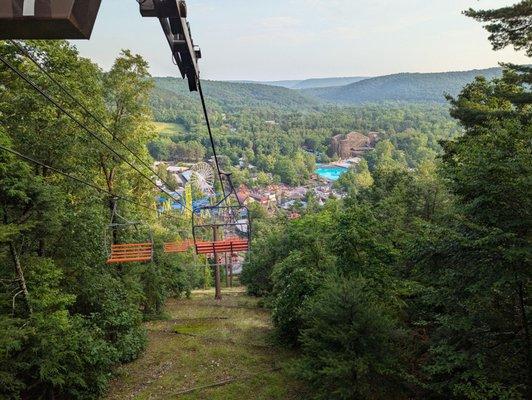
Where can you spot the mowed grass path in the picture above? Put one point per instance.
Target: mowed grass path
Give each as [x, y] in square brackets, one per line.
[207, 343]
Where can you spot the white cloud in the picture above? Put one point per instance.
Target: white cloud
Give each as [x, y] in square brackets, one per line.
[280, 22]
[277, 29]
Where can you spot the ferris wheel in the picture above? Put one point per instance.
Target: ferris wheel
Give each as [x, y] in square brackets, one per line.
[203, 178]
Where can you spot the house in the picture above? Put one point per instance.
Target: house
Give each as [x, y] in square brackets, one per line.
[243, 194]
[353, 144]
[261, 199]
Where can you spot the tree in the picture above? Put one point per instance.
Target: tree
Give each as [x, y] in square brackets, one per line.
[356, 179]
[476, 266]
[351, 344]
[385, 157]
[126, 90]
[66, 318]
[284, 167]
[508, 25]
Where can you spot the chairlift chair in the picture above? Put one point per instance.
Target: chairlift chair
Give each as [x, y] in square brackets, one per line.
[47, 19]
[230, 245]
[178, 246]
[226, 230]
[128, 251]
[222, 228]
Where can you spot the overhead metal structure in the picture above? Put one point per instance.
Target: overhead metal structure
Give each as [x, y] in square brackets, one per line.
[47, 19]
[172, 15]
[222, 228]
[125, 246]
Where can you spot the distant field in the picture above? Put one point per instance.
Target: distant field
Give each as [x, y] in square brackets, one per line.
[168, 128]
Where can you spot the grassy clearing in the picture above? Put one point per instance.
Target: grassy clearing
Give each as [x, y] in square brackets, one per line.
[203, 343]
[168, 129]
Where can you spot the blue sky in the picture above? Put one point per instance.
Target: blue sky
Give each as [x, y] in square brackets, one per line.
[297, 39]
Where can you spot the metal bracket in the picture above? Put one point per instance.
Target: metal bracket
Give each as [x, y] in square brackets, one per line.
[172, 16]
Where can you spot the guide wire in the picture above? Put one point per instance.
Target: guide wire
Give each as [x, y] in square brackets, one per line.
[74, 178]
[26, 53]
[81, 125]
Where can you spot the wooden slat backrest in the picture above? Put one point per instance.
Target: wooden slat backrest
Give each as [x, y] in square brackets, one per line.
[178, 247]
[222, 246]
[130, 252]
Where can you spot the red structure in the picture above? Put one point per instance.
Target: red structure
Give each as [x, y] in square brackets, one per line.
[132, 252]
[230, 245]
[178, 247]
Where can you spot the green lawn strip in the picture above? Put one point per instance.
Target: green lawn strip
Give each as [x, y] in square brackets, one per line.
[262, 386]
[204, 343]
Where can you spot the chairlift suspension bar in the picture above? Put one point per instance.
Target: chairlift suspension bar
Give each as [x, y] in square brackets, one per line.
[211, 138]
[172, 16]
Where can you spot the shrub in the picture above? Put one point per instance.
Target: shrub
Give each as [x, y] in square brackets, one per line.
[350, 344]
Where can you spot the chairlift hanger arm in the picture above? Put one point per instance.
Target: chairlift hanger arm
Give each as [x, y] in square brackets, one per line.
[172, 15]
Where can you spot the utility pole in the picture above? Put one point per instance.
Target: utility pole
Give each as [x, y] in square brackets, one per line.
[217, 279]
[226, 272]
[231, 272]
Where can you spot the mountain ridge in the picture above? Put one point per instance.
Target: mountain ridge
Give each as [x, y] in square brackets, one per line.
[311, 83]
[404, 86]
[410, 87]
[232, 96]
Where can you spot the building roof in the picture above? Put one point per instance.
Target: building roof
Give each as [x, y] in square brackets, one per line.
[356, 136]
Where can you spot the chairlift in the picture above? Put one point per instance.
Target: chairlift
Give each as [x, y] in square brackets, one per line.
[231, 245]
[220, 229]
[178, 246]
[128, 251]
[47, 19]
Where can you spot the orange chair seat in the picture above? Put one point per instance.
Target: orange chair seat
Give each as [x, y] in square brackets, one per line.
[233, 245]
[178, 247]
[131, 252]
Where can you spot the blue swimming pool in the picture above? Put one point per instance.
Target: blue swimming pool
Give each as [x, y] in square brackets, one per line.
[330, 172]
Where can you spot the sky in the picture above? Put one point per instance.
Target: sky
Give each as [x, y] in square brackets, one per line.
[299, 39]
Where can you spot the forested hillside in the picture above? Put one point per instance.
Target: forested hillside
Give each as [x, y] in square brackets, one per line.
[289, 148]
[409, 87]
[315, 82]
[311, 93]
[415, 285]
[233, 96]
